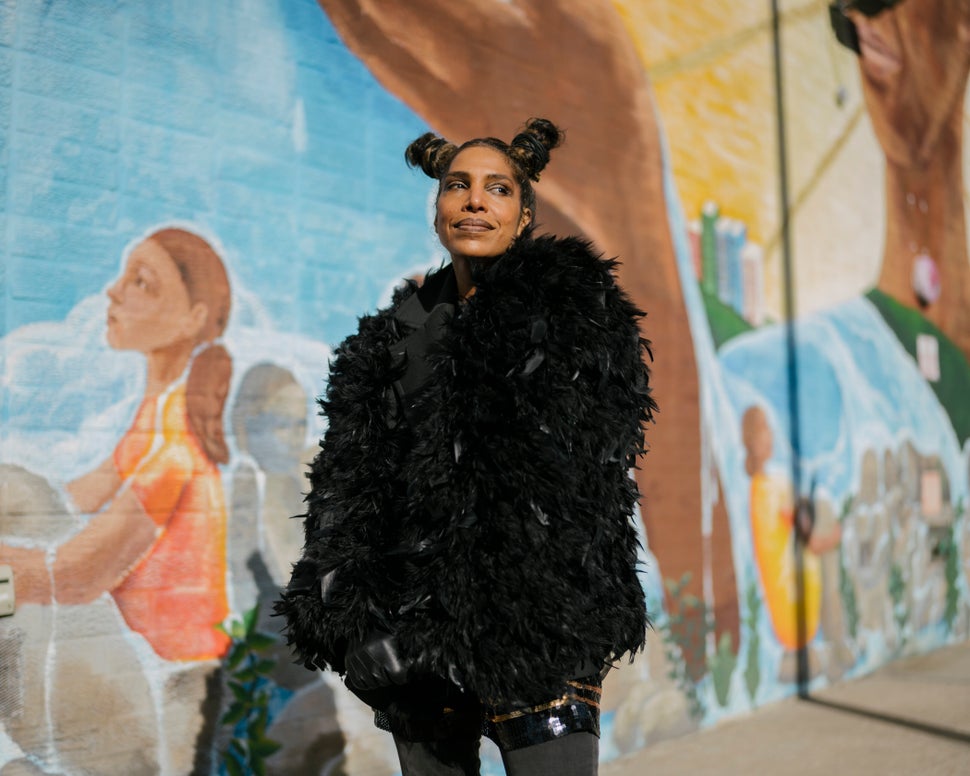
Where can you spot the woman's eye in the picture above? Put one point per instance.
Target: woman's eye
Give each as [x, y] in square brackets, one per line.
[502, 190]
[143, 282]
[455, 185]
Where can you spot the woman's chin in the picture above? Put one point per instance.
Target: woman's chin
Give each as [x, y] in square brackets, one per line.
[116, 342]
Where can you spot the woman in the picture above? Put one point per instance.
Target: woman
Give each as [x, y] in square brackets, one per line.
[157, 540]
[470, 558]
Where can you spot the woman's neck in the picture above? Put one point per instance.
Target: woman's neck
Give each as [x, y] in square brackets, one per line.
[463, 274]
[166, 365]
[926, 226]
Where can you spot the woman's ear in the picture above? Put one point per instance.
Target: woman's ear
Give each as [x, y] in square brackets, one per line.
[524, 220]
[198, 316]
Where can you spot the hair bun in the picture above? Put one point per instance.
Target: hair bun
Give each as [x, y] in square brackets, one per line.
[532, 145]
[431, 153]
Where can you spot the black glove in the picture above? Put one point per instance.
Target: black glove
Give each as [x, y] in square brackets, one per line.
[376, 663]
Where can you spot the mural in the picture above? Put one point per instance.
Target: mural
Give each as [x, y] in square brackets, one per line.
[199, 204]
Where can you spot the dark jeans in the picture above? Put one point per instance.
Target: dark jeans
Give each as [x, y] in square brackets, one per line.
[576, 754]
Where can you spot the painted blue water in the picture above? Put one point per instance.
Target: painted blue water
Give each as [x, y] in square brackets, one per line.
[858, 390]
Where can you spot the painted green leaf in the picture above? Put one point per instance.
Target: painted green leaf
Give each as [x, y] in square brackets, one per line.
[233, 766]
[235, 713]
[264, 667]
[249, 618]
[247, 674]
[236, 655]
[264, 747]
[259, 641]
[240, 691]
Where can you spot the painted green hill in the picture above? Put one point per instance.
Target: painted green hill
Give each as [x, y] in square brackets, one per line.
[953, 387]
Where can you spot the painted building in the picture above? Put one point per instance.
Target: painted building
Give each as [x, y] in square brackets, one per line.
[199, 199]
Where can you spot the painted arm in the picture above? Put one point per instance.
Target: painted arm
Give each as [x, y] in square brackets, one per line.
[483, 67]
[93, 490]
[93, 561]
[102, 553]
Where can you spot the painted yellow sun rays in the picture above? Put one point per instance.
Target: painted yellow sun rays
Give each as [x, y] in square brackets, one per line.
[712, 72]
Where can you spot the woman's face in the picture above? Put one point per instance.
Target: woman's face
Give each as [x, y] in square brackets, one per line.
[479, 212]
[914, 59]
[149, 307]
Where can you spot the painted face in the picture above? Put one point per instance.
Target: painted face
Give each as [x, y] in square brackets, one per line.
[149, 307]
[275, 428]
[479, 212]
[914, 60]
[757, 438]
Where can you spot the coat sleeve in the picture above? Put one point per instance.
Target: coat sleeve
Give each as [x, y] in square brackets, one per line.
[322, 611]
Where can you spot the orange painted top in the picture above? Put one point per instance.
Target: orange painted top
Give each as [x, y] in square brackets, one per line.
[176, 593]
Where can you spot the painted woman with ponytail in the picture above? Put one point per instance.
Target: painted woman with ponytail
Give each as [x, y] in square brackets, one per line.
[157, 536]
[470, 563]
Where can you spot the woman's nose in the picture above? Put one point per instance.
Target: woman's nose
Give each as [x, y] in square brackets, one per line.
[475, 200]
[114, 291]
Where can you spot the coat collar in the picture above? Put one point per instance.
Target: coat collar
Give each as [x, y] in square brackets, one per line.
[440, 287]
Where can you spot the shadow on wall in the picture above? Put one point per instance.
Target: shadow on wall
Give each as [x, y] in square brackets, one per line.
[269, 422]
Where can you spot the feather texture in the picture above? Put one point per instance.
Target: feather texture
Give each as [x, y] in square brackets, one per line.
[493, 531]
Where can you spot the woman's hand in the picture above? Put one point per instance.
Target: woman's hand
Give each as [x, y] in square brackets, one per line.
[31, 577]
[376, 663]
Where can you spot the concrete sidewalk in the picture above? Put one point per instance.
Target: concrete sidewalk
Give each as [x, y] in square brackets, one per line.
[911, 716]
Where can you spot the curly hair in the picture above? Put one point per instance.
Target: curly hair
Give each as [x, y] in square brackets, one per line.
[528, 154]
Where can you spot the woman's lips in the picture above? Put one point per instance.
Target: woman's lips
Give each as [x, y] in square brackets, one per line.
[473, 225]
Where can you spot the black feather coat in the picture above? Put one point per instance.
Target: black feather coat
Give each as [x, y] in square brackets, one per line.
[472, 492]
